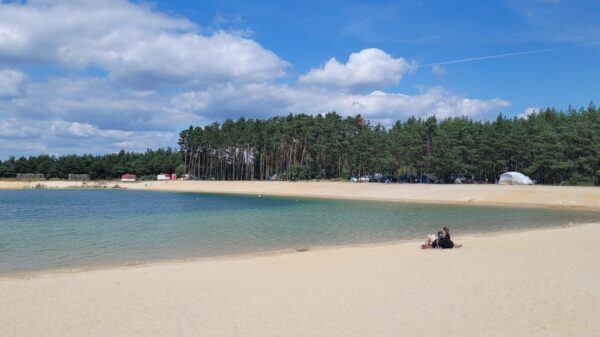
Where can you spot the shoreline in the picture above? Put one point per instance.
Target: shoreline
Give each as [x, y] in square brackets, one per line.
[286, 190]
[532, 283]
[416, 243]
[585, 198]
[519, 282]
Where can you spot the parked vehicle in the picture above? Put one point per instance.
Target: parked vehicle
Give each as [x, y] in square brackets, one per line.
[408, 178]
[429, 179]
[467, 179]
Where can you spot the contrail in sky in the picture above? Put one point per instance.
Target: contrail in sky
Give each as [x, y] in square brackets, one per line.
[469, 59]
[528, 52]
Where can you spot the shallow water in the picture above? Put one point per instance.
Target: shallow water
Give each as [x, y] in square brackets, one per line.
[46, 229]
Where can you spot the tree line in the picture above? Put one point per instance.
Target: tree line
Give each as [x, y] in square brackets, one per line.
[108, 166]
[552, 147]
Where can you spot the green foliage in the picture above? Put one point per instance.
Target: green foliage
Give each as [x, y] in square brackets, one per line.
[580, 180]
[407, 171]
[109, 166]
[552, 147]
[297, 172]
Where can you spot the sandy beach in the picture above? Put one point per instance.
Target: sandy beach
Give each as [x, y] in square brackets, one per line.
[514, 196]
[534, 283]
[538, 283]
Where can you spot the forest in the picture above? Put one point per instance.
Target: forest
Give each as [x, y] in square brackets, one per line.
[552, 147]
[108, 166]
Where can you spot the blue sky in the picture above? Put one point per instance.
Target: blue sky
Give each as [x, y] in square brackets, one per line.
[97, 76]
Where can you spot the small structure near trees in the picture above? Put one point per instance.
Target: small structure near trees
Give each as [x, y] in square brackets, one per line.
[166, 176]
[514, 178]
[73, 176]
[30, 176]
[128, 177]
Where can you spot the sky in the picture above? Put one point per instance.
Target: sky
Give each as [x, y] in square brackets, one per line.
[100, 76]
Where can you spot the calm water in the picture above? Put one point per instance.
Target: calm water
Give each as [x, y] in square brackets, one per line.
[44, 229]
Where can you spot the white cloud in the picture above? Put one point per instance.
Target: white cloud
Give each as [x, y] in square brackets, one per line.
[15, 128]
[438, 70]
[264, 100]
[32, 137]
[80, 130]
[11, 83]
[369, 69]
[89, 115]
[99, 102]
[529, 111]
[213, 76]
[132, 42]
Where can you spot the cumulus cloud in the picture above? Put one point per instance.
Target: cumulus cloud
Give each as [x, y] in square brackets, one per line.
[57, 137]
[99, 102]
[211, 76]
[369, 69]
[529, 111]
[132, 42]
[90, 115]
[15, 128]
[264, 100]
[11, 83]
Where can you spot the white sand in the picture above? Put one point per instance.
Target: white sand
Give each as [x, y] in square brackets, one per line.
[536, 283]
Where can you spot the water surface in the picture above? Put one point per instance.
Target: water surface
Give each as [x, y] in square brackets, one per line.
[45, 229]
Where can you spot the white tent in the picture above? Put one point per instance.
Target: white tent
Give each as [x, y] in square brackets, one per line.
[514, 178]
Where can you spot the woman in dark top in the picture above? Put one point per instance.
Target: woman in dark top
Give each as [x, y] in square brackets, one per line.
[447, 236]
[440, 237]
[447, 232]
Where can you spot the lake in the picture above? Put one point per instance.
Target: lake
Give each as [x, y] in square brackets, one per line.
[48, 229]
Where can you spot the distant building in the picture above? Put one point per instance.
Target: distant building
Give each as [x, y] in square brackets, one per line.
[30, 176]
[128, 177]
[166, 176]
[73, 176]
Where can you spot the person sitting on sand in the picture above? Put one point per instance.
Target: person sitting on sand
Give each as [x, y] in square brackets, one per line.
[442, 241]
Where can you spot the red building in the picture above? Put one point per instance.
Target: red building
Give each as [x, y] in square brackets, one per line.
[128, 177]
